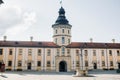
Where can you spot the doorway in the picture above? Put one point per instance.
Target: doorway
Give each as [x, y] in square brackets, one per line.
[62, 66]
[95, 65]
[118, 65]
[29, 66]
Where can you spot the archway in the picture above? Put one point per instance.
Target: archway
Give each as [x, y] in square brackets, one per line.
[118, 65]
[95, 65]
[62, 66]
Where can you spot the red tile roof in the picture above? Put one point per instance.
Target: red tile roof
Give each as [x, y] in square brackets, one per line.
[53, 45]
[93, 45]
[27, 44]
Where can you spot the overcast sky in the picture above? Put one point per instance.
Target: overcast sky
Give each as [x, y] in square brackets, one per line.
[97, 19]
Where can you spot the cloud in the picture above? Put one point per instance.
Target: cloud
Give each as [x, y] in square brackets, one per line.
[13, 20]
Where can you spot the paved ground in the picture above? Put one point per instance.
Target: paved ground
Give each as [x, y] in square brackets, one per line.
[32, 75]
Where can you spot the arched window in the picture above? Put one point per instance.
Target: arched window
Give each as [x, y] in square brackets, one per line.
[56, 31]
[56, 40]
[68, 41]
[63, 31]
[68, 31]
[63, 40]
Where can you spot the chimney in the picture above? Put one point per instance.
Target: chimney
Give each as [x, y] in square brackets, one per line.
[5, 37]
[91, 40]
[31, 38]
[113, 40]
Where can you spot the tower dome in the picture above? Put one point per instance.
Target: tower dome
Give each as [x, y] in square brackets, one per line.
[61, 18]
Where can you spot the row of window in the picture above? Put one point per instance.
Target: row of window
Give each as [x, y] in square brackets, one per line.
[63, 52]
[20, 63]
[63, 31]
[63, 40]
[94, 52]
[86, 63]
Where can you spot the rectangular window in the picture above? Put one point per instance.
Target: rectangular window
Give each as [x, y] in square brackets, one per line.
[19, 63]
[1, 51]
[39, 52]
[39, 63]
[111, 63]
[118, 53]
[86, 53]
[86, 63]
[20, 51]
[57, 51]
[103, 63]
[77, 52]
[102, 51]
[48, 52]
[29, 51]
[110, 52]
[9, 63]
[10, 51]
[94, 52]
[77, 63]
[48, 63]
[68, 51]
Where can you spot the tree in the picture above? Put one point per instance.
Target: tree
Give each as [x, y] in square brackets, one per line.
[1, 2]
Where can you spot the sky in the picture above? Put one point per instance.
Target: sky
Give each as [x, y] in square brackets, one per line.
[97, 19]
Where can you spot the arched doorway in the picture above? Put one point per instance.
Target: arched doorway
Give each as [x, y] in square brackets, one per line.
[95, 65]
[63, 66]
[118, 65]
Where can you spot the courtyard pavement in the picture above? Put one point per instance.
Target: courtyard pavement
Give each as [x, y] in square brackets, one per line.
[36, 75]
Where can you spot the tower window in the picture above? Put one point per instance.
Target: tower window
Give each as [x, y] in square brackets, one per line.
[63, 40]
[56, 40]
[68, 41]
[63, 31]
[68, 31]
[56, 31]
[63, 50]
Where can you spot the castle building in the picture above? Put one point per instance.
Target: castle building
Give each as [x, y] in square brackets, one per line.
[60, 55]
